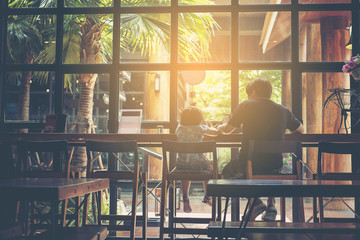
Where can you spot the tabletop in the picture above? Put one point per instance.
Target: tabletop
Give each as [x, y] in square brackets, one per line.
[50, 189]
[282, 188]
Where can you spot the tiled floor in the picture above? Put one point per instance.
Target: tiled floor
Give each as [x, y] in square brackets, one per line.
[201, 209]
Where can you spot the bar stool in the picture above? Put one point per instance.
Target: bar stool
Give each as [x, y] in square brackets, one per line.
[342, 149]
[171, 175]
[119, 152]
[273, 147]
[42, 159]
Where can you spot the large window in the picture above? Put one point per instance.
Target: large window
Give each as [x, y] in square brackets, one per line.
[161, 57]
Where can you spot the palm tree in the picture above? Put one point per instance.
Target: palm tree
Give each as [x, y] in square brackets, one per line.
[85, 42]
[24, 42]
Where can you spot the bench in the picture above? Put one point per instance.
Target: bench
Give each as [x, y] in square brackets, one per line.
[283, 188]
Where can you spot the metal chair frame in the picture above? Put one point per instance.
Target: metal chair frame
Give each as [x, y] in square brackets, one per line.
[169, 177]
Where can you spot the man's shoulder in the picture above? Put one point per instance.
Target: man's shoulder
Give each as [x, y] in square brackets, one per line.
[262, 102]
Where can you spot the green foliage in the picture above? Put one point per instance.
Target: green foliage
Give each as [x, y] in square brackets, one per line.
[24, 38]
[213, 95]
[274, 76]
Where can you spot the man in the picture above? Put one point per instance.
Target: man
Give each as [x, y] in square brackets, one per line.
[260, 119]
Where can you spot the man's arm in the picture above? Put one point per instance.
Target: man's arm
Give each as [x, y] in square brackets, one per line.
[226, 128]
[300, 129]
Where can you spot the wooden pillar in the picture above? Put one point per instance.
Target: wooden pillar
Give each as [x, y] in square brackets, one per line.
[333, 41]
[314, 97]
[156, 104]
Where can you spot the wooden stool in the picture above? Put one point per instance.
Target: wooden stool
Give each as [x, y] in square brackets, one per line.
[42, 159]
[170, 175]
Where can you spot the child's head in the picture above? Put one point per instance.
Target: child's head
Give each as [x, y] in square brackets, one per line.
[191, 116]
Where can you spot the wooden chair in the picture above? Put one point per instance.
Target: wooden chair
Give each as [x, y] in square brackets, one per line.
[10, 226]
[169, 178]
[42, 159]
[116, 176]
[7, 169]
[335, 148]
[293, 147]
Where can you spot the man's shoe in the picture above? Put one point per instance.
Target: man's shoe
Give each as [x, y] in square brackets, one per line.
[258, 209]
[270, 214]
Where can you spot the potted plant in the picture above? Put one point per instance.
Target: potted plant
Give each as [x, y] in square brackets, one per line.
[353, 67]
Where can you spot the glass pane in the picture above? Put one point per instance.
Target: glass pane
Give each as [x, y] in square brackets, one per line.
[32, 4]
[31, 39]
[321, 105]
[204, 2]
[149, 91]
[264, 1]
[87, 39]
[280, 81]
[208, 90]
[136, 3]
[29, 96]
[264, 36]
[204, 37]
[324, 1]
[89, 3]
[94, 107]
[145, 38]
[324, 36]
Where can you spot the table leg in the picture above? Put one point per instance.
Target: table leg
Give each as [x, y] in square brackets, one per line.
[98, 203]
[53, 219]
[224, 221]
[246, 217]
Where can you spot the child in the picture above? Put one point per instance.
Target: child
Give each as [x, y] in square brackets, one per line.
[192, 128]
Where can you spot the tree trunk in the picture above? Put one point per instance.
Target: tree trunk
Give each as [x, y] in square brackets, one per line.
[24, 97]
[84, 120]
[24, 94]
[89, 54]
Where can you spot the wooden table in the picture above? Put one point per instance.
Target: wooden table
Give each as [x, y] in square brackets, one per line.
[49, 189]
[281, 188]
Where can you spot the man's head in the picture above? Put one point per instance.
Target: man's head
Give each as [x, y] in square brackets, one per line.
[259, 87]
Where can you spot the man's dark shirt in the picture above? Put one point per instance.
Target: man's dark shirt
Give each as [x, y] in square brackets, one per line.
[262, 119]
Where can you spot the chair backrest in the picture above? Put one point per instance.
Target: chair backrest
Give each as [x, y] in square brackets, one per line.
[171, 149]
[7, 169]
[293, 147]
[43, 159]
[123, 152]
[336, 148]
